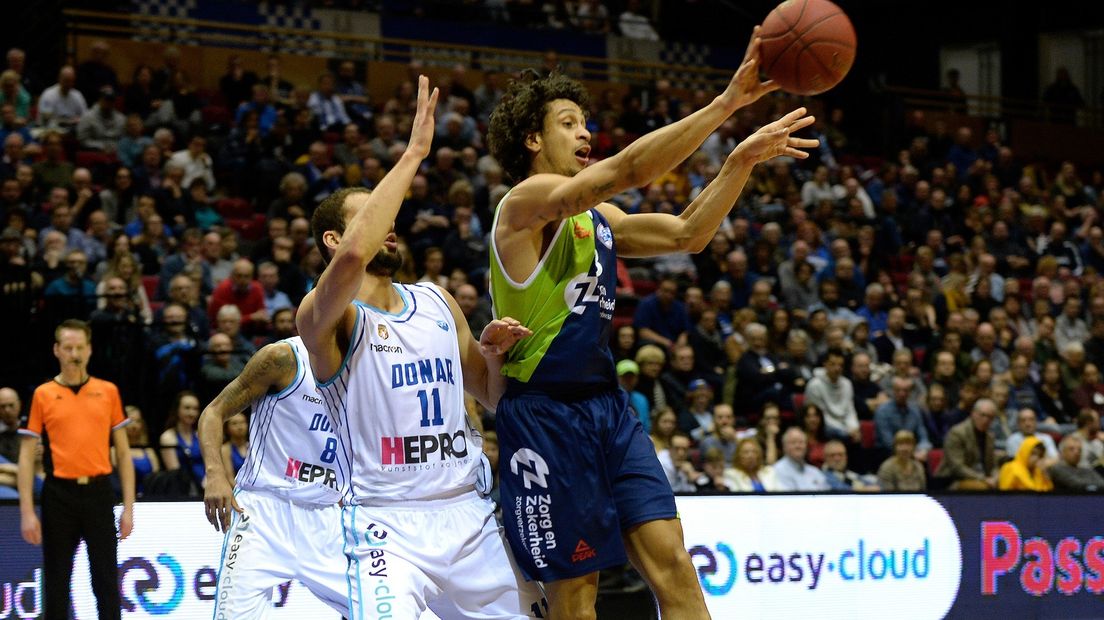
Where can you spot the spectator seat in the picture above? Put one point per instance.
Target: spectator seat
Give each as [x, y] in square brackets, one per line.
[867, 429]
[935, 457]
[234, 208]
[151, 284]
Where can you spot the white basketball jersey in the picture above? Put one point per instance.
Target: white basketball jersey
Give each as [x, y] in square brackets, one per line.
[292, 448]
[397, 403]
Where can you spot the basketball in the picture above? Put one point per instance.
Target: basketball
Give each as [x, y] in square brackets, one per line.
[807, 46]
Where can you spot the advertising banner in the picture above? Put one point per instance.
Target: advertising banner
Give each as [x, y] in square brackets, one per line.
[168, 567]
[898, 556]
[1005, 556]
[790, 555]
[1030, 556]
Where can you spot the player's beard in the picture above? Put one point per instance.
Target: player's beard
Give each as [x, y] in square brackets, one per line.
[385, 263]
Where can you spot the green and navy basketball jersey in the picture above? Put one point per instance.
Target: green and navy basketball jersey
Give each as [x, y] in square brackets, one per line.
[567, 302]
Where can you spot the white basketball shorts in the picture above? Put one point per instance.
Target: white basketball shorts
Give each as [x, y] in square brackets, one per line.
[276, 540]
[449, 555]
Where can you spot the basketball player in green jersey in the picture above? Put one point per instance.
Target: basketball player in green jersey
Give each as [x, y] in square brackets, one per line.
[580, 481]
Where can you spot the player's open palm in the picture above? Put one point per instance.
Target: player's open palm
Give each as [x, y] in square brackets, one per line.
[501, 334]
[421, 132]
[746, 87]
[777, 139]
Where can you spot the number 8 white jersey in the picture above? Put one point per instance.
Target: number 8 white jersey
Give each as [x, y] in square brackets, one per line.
[397, 402]
[292, 448]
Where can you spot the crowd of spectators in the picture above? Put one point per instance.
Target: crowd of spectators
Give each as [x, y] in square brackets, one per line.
[634, 19]
[929, 319]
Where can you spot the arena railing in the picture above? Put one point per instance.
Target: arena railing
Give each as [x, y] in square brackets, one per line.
[366, 47]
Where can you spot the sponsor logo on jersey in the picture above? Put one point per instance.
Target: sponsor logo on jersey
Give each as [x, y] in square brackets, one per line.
[583, 551]
[533, 514]
[417, 449]
[385, 348]
[310, 473]
[443, 325]
[312, 399]
[234, 549]
[531, 467]
[580, 231]
[379, 593]
[605, 235]
[381, 329]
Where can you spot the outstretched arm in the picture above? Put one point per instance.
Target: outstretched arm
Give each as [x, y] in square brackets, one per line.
[271, 369]
[546, 198]
[651, 234]
[323, 309]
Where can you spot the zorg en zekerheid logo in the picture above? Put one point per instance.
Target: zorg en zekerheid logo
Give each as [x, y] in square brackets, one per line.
[533, 511]
[719, 567]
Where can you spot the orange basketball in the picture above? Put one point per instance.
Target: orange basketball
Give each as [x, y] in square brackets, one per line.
[807, 46]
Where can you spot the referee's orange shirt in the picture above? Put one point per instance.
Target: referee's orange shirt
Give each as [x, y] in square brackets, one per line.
[78, 425]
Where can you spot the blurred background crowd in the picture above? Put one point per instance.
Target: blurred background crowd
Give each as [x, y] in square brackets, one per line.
[922, 313]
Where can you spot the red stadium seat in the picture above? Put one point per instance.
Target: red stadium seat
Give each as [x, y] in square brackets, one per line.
[151, 284]
[231, 208]
[211, 96]
[935, 457]
[92, 159]
[217, 115]
[247, 228]
[621, 321]
[867, 428]
[799, 402]
[644, 288]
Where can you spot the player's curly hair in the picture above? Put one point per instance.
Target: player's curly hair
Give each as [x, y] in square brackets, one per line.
[521, 113]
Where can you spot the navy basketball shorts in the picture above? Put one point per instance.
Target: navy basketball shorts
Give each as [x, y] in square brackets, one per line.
[574, 475]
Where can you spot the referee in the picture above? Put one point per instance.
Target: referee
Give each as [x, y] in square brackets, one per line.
[80, 416]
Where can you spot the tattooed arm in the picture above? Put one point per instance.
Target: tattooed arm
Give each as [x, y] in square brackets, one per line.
[270, 370]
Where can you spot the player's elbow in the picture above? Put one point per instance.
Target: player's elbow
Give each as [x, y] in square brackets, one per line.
[630, 170]
[694, 245]
[350, 257]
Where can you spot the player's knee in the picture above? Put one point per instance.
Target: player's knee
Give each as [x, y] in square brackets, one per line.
[572, 599]
[671, 570]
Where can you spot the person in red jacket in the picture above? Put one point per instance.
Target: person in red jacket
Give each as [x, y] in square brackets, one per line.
[241, 290]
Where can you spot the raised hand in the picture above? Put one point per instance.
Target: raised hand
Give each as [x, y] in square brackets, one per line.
[421, 132]
[776, 139]
[746, 87]
[501, 334]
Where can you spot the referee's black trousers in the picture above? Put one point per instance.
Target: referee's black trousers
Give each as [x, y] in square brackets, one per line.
[70, 512]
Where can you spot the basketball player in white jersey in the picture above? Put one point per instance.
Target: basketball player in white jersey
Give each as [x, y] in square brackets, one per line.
[392, 363]
[283, 520]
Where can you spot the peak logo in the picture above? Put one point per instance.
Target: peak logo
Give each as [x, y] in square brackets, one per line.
[531, 467]
[583, 551]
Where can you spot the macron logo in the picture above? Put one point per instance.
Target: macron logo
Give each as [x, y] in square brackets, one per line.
[532, 468]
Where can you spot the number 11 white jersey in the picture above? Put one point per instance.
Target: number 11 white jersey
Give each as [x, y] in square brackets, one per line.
[397, 402]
